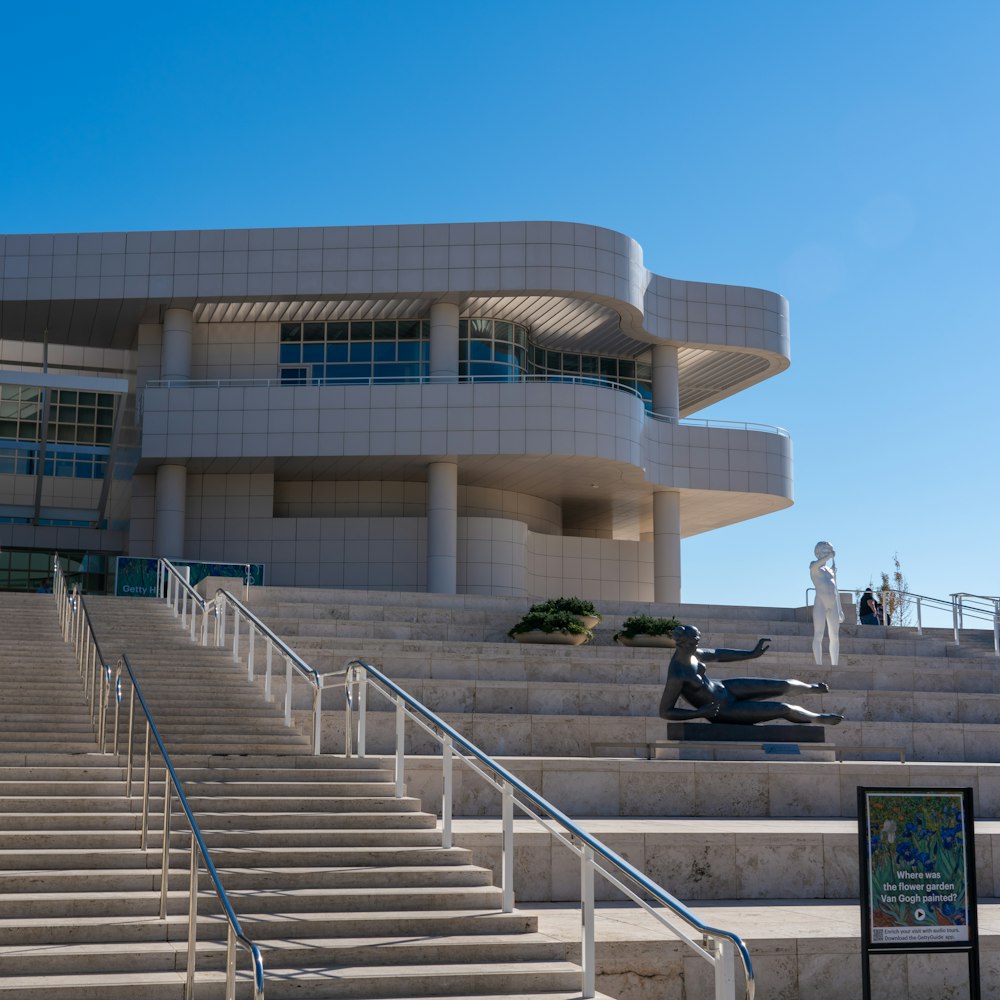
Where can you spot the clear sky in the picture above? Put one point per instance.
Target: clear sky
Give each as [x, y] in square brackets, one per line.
[845, 155]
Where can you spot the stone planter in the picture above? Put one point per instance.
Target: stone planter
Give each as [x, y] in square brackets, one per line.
[588, 621]
[655, 641]
[552, 638]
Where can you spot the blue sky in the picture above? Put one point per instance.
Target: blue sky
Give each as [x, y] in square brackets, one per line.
[845, 155]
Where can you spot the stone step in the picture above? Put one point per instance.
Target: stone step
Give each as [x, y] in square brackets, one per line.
[699, 858]
[167, 956]
[509, 979]
[125, 930]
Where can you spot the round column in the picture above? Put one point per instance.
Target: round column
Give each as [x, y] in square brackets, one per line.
[667, 547]
[666, 385]
[168, 524]
[175, 348]
[444, 341]
[442, 527]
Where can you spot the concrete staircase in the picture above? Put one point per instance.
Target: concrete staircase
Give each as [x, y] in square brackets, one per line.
[345, 888]
[765, 847]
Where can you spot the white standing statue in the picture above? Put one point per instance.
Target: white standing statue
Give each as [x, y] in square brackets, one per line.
[827, 612]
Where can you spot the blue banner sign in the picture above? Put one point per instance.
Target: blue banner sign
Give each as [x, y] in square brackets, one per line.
[136, 577]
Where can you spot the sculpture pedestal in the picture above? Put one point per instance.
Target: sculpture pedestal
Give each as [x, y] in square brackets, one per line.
[723, 733]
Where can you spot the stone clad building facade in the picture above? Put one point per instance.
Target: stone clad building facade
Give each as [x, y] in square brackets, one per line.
[498, 408]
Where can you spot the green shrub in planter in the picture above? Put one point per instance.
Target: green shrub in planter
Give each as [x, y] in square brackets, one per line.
[572, 605]
[646, 625]
[540, 620]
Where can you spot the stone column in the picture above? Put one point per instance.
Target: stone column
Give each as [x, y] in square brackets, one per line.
[168, 524]
[175, 347]
[442, 527]
[666, 387]
[667, 547]
[444, 341]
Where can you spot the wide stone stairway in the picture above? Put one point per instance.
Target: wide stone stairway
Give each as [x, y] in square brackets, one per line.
[344, 887]
[765, 846]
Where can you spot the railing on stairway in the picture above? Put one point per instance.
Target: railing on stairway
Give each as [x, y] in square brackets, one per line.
[978, 607]
[97, 674]
[718, 947]
[174, 588]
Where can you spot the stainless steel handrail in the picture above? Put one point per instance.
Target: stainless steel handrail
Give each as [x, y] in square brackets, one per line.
[597, 381]
[235, 933]
[293, 661]
[724, 942]
[727, 425]
[176, 590]
[954, 605]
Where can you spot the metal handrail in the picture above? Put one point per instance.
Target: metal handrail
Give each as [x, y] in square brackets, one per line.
[293, 662]
[954, 605]
[235, 933]
[724, 943]
[731, 425]
[173, 587]
[598, 381]
[76, 627]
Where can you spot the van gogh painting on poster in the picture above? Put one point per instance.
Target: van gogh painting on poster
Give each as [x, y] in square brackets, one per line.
[917, 868]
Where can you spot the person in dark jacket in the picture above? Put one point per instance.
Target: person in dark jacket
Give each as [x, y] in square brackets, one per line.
[868, 608]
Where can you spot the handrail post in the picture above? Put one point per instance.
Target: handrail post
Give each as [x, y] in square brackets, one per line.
[317, 718]
[204, 625]
[236, 635]
[920, 621]
[192, 919]
[145, 794]
[267, 671]
[220, 625]
[447, 796]
[131, 721]
[400, 747]
[507, 849]
[362, 713]
[251, 632]
[996, 633]
[588, 953]
[725, 969]
[165, 863]
[954, 619]
[288, 691]
[231, 964]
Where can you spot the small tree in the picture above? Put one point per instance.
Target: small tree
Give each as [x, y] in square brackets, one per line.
[896, 595]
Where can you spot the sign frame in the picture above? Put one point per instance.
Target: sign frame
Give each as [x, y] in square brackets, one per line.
[909, 829]
[148, 582]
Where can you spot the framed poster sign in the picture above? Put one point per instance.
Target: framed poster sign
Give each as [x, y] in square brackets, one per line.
[917, 861]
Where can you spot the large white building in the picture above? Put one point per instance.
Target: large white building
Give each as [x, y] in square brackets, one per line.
[495, 408]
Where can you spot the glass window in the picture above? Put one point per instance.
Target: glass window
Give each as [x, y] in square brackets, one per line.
[293, 376]
[571, 363]
[313, 352]
[463, 329]
[336, 331]
[482, 329]
[318, 373]
[352, 374]
[588, 364]
[104, 417]
[336, 352]
[408, 352]
[626, 368]
[385, 330]
[503, 331]
[102, 435]
[480, 351]
[609, 367]
[360, 352]
[386, 372]
[291, 331]
[313, 331]
[361, 331]
[409, 329]
[290, 353]
[384, 351]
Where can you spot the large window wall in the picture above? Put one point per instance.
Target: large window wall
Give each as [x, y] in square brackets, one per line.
[78, 434]
[362, 351]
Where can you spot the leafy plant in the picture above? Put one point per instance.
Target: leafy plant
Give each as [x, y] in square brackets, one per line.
[572, 605]
[538, 619]
[646, 625]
